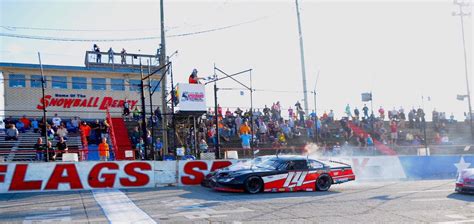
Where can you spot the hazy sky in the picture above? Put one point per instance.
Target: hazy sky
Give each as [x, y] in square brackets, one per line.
[399, 50]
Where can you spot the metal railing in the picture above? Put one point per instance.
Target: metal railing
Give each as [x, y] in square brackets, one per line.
[104, 59]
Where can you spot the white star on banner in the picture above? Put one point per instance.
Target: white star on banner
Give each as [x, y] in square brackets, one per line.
[462, 164]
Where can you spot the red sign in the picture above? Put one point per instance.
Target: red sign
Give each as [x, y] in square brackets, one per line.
[195, 171]
[101, 175]
[67, 101]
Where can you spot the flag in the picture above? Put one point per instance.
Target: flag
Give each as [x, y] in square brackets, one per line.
[366, 97]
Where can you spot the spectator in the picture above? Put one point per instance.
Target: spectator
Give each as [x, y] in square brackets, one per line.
[348, 111]
[126, 109]
[56, 121]
[39, 149]
[99, 56]
[370, 142]
[20, 126]
[393, 132]
[104, 150]
[62, 132]
[26, 122]
[158, 147]
[11, 133]
[122, 56]
[51, 153]
[61, 147]
[365, 109]
[244, 129]
[309, 127]
[381, 113]
[331, 116]
[136, 114]
[356, 113]
[104, 130]
[111, 55]
[75, 123]
[86, 130]
[35, 125]
[245, 138]
[140, 146]
[135, 135]
[95, 127]
[203, 147]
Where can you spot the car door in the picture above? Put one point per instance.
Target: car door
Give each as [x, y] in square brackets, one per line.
[299, 176]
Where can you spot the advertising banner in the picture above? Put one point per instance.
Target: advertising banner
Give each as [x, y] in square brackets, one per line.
[190, 97]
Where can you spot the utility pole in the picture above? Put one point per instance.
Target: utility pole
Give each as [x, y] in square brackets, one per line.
[43, 82]
[461, 15]
[303, 70]
[164, 124]
[144, 130]
[216, 116]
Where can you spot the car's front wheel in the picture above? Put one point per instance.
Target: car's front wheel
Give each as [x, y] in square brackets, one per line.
[323, 183]
[253, 184]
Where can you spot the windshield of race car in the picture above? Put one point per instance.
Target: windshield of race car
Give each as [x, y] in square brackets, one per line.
[268, 164]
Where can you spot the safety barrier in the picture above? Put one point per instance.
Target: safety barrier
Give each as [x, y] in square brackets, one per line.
[63, 176]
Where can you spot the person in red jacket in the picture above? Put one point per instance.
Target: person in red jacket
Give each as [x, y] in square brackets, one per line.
[193, 78]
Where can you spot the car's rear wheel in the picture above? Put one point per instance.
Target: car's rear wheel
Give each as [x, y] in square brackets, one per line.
[323, 183]
[253, 184]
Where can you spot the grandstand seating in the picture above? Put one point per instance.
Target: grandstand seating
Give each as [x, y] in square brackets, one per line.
[22, 150]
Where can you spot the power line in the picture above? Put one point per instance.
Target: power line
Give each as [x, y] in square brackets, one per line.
[48, 38]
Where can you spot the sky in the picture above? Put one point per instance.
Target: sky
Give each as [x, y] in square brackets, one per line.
[398, 50]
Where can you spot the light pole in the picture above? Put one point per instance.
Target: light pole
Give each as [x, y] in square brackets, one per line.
[461, 15]
[303, 69]
[217, 146]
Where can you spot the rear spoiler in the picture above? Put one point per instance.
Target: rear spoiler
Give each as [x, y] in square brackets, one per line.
[338, 162]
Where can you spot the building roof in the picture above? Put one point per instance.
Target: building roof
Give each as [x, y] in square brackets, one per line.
[70, 68]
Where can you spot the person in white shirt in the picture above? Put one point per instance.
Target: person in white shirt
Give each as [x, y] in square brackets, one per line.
[56, 120]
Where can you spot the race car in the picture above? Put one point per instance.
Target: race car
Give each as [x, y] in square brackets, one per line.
[279, 174]
[465, 181]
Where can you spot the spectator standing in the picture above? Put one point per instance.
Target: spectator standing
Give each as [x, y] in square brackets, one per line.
[26, 122]
[356, 113]
[96, 131]
[75, 123]
[86, 130]
[365, 109]
[126, 109]
[104, 130]
[35, 125]
[158, 147]
[245, 138]
[111, 55]
[11, 133]
[97, 51]
[104, 150]
[39, 149]
[393, 132]
[122, 56]
[348, 111]
[244, 128]
[136, 114]
[382, 113]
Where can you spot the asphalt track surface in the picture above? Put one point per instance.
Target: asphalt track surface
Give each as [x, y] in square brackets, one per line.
[367, 202]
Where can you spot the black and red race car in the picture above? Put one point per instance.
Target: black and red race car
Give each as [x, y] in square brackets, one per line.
[279, 174]
[465, 181]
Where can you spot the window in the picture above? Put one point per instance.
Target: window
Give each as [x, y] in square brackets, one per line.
[98, 84]
[315, 164]
[59, 82]
[155, 83]
[79, 83]
[117, 84]
[296, 165]
[135, 85]
[17, 80]
[36, 81]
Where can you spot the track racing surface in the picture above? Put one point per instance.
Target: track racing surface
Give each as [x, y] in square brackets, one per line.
[366, 202]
